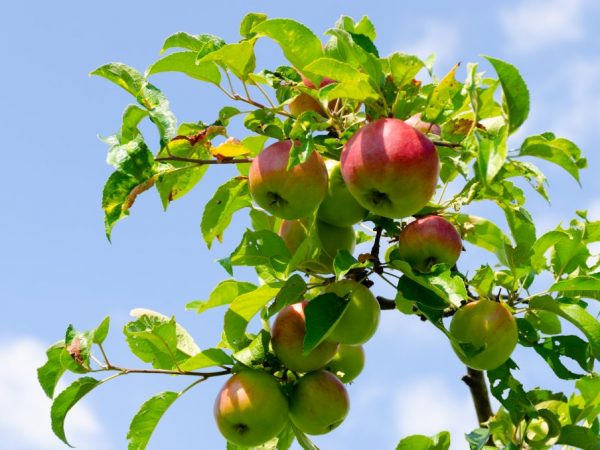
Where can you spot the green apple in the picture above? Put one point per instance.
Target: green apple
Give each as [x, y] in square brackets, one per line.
[339, 208]
[333, 239]
[359, 321]
[287, 338]
[288, 194]
[348, 362]
[429, 240]
[319, 403]
[484, 324]
[250, 408]
[390, 168]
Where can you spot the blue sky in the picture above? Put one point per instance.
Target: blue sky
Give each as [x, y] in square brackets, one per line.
[57, 266]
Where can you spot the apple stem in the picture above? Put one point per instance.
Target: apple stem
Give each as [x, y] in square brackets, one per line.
[479, 393]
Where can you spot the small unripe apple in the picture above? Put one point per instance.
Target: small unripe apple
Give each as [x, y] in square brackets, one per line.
[319, 403]
[339, 208]
[429, 240]
[250, 408]
[359, 321]
[287, 338]
[288, 194]
[424, 127]
[304, 102]
[485, 323]
[348, 362]
[390, 168]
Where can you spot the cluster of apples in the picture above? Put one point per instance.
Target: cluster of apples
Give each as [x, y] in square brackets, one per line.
[390, 168]
[251, 408]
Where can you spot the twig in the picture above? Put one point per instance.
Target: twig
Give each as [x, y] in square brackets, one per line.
[479, 393]
[446, 144]
[125, 371]
[204, 161]
[386, 303]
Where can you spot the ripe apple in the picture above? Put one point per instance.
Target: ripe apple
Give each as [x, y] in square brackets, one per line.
[250, 408]
[287, 194]
[339, 208]
[348, 362]
[424, 127]
[361, 317]
[485, 323]
[304, 102]
[287, 338]
[429, 240]
[331, 239]
[319, 403]
[390, 168]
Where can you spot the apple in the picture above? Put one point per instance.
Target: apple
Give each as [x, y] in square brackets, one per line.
[304, 102]
[250, 408]
[488, 324]
[359, 321]
[287, 338]
[390, 168]
[348, 362]
[429, 240]
[288, 194]
[318, 403]
[339, 207]
[424, 127]
[331, 239]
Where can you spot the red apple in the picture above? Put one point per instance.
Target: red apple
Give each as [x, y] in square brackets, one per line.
[424, 127]
[250, 408]
[304, 102]
[429, 240]
[288, 194]
[287, 338]
[319, 403]
[488, 324]
[339, 208]
[361, 317]
[347, 363]
[390, 168]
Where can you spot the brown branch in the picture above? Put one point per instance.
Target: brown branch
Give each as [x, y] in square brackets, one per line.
[204, 161]
[479, 392]
[125, 371]
[446, 144]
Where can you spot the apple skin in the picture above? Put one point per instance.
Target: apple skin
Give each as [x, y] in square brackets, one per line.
[361, 317]
[287, 194]
[424, 127]
[319, 403]
[485, 322]
[287, 338]
[339, 208]
[250, 408]
[390, 168]
[332, 239]
[304, 102]
[429, 240]
[348, 362]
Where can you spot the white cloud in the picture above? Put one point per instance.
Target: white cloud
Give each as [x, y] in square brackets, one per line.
[437, 37]
[430, 405]
[534, 24]
[25, 410]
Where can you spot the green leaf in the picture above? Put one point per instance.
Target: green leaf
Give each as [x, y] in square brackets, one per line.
[404, 68]
[440, 441]
[580, 284]
[299, 44]
[185, 341]
[579, 437]
[79, 346]
[292, 292]
[262, 247]
[573, 347]
[101, 331]
[202, 44]
[146, 419]
[322, 313]
[239, 58]
[210, 357]
[249, 21]
[186, 62]
[523, 232]
[50, 373]
[345, 48]
[366, 27]
[225, 292]
[122, 75]
[509, 392]
[492, 152]
[218, 212]
[344, 262]
[542, 245]
[304, 440]
[545, 321]
[575, 314]
[483, 233]
[441, 95]
[66, 400]
[516, 94]
[334, 69]
[559, 151]
[478, 438]
[243, 308]
[255, 353]
[359, 90]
